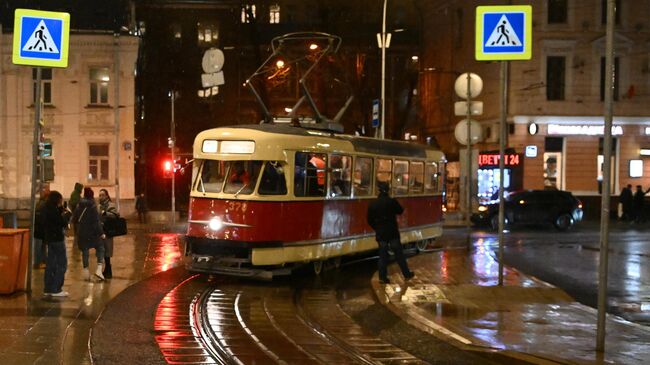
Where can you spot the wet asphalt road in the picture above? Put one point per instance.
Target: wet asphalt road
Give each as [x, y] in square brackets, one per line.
[570, 260]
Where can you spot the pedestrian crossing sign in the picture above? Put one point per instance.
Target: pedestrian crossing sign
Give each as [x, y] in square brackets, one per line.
[41, 38]
[504, 33]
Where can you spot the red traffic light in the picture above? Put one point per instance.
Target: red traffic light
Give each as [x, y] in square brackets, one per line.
[168, 169]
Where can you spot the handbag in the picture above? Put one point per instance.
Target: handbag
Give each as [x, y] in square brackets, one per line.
[115, 226]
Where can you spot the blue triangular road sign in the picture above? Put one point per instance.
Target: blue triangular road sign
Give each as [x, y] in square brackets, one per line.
[41, 40]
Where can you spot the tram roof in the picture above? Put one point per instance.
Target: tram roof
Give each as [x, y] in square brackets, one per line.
[275, 137]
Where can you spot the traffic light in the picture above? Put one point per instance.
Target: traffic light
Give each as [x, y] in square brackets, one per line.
[168, 169]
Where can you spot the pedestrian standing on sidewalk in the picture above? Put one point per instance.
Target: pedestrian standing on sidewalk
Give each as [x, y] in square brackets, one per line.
[40, 248]
[75, 198]
[107, 210]
[627, 200]
[382, 217]
[54, 220]
[639, 202]
[141, 207]
[90, 233]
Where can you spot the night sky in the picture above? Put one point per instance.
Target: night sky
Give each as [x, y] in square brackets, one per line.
[84, 14]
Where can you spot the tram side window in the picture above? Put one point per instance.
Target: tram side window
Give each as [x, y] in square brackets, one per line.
[401, 177]
[273, 181]
[431, 178]
[362, 176]
[309, 175]
[213, 173]
[384, 170]
[416, 181]
[242, 177]
[339, 178]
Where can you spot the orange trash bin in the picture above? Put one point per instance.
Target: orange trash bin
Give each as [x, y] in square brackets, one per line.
[14, 253]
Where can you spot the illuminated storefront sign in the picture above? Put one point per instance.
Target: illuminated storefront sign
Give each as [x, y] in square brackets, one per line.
[510, 159]
[582, 130]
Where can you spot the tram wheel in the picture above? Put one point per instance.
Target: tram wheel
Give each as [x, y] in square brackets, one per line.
[317, 266]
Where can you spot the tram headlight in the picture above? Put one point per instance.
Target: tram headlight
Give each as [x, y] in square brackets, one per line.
[482, 208]
[215, 223]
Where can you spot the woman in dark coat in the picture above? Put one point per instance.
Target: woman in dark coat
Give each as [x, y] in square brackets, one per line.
[53, 220]
[90, 233]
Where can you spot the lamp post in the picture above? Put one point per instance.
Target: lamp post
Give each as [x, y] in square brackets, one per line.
[172, 143]
[383, 44]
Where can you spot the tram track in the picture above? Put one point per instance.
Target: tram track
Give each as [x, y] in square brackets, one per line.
[200, 322]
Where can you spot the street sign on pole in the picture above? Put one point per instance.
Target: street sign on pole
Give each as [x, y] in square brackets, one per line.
[375, 113]
[504, 32]
[41, 38]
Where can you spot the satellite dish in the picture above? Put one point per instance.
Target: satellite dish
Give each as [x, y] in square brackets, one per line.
[213, 60]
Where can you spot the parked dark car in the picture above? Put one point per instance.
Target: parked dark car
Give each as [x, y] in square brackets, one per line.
[557, 207]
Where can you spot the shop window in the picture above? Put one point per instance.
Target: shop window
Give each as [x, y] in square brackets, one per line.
[98, 162]
[555, 77]
[46, 85]
[362, 176]
[339, 175]
[553, 163]
[557, 11]
[602, 79]
[401, 177]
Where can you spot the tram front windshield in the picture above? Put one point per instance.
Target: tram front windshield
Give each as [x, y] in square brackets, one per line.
[231, 177]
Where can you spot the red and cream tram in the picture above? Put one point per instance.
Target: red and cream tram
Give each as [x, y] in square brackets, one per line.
[267, 198]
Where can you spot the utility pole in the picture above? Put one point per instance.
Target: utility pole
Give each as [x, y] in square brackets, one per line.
[36, 183]
[116, 109]
[172, 144]
[384, 45]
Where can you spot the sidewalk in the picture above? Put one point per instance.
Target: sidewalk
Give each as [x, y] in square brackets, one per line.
[455, 295]
[39, 330]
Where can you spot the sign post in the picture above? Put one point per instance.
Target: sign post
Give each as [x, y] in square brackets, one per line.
[503, 33]
[40, 40]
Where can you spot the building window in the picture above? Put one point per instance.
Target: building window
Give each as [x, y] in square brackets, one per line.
[274, 14]
[98, 162]
[248, 13]
[553, 163]
[99, 79]
[602, 78]
[46, 85]
[555, 77]
[208, 33]
[617, 16]
[557, 11]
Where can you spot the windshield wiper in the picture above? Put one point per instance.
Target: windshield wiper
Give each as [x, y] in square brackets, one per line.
[240, 189]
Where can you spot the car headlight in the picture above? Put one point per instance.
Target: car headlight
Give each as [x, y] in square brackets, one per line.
[215, 223]
[482, 208]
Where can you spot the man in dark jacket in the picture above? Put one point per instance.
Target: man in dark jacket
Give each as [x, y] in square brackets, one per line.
[382, 217]
[53, 220]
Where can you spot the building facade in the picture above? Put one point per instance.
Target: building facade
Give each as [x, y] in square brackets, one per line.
[87, 132]
[556, 99]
